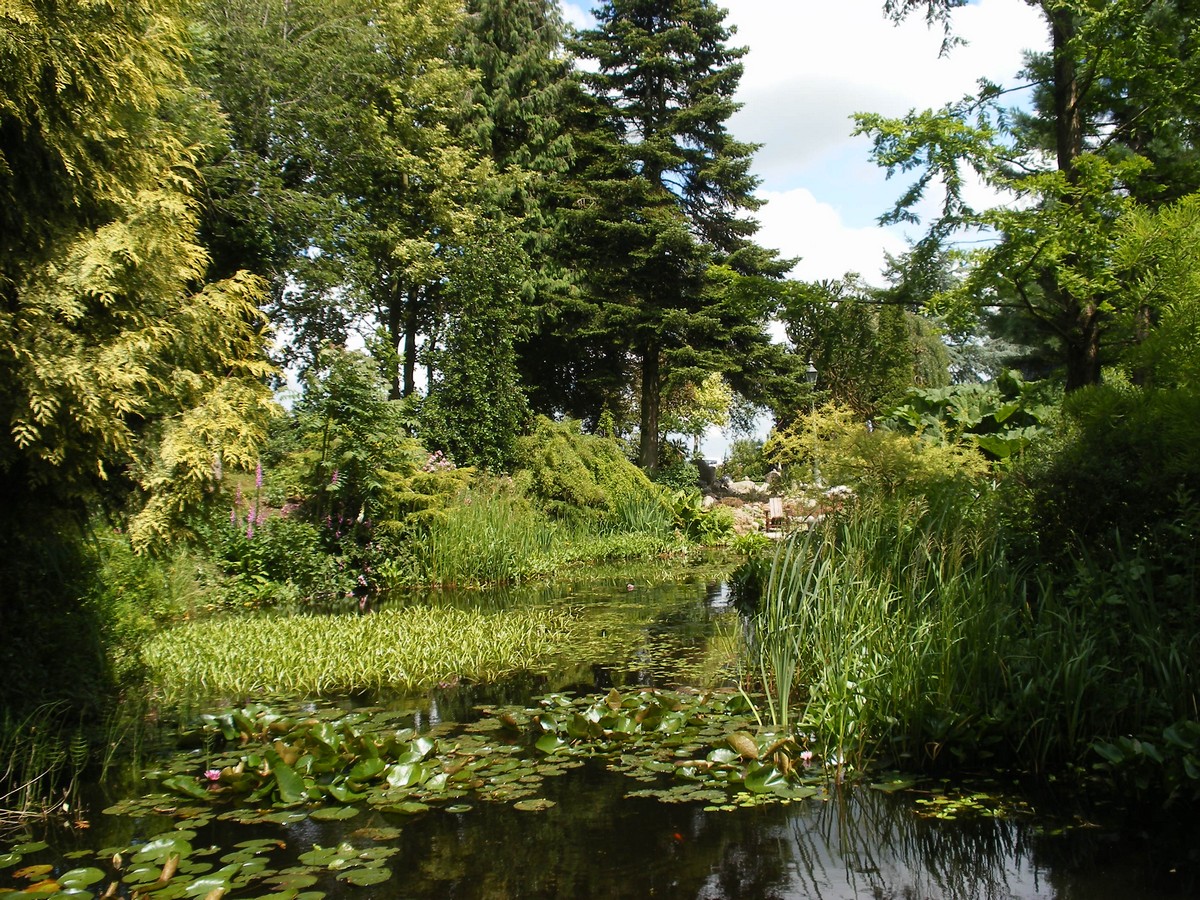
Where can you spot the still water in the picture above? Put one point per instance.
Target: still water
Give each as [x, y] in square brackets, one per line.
[598, 842]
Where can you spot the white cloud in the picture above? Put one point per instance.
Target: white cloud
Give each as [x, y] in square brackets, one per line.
[798, 224]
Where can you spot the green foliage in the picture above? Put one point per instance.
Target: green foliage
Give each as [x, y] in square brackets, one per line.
[121, 369]
[679, 475]
[1112, 135]
[42, 756]
[306, 654]
[673, 277]
[745, 460]
[475, 408]
[132, 595]
[1001, 417]
[281, 560]
[491, 535]
[866, 347]
[352, 439]
[706, 527]
[577, 476]
[1132, 453]
[876, 462]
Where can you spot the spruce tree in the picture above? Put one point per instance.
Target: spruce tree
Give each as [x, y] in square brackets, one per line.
[665, 196]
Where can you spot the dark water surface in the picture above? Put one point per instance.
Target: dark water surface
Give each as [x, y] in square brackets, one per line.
[596, 842]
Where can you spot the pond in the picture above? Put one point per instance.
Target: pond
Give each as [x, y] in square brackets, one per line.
[542, 823]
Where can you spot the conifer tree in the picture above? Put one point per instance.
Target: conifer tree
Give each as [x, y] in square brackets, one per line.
[122, 374]
[664, 199]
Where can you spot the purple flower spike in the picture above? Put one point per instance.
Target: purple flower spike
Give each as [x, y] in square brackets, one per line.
[258, 476]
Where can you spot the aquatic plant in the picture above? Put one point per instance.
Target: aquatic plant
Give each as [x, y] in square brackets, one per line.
[418, 646]
[41, 758]
[885, 632]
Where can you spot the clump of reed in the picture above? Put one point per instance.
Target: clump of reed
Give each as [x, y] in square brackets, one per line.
[902, 633]
[885, 628]
[409, 648]
[492, 537]
[41, 758]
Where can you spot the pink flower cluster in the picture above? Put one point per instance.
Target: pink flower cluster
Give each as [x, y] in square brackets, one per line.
[438, 462]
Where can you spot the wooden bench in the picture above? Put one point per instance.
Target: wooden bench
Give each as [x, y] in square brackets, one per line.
[776, 518]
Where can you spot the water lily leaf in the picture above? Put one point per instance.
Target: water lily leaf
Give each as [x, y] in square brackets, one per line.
[743, 744]
[363, 877]
[343, 794]
[764, 779]
[162, 847]
[334, 813]
[319, 856]
[293, 880]
[368, 768]
[404, 775]
[31, 872]
[80, 878]
[378, 833]
[41, 889]
[534, 805]
[549, 743]
[291, 786]
[187, 785]
[459, 808]
[423, 746]
[723, 756]
[9, 859]
[408, 808]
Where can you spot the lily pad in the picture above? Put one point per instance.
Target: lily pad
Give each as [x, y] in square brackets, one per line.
[80, 878]
[364, 877]
[536, 804]
[334, 813]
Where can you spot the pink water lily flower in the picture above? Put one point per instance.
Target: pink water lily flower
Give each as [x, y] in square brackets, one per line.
[212, 774]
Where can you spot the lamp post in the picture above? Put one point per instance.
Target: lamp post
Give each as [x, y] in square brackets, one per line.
[810, 378]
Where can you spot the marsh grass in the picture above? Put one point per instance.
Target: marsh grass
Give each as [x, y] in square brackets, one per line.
[901, 633]
[401, 649]
[493, 537]
[884, 629]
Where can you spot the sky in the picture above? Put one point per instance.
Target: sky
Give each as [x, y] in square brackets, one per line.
[811, 65]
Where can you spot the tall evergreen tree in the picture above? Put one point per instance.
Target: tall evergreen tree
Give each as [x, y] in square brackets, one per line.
[521, 120]
[664, 197]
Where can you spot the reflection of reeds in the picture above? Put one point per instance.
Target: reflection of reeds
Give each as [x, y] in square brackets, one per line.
[867, 844]
[394, 648]
[41, 758]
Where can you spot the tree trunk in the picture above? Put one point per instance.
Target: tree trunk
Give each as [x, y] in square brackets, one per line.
[1068, 113]
[1083, 349]
[651, 396]
[395, 312]
[411, 316]
[1083, 339]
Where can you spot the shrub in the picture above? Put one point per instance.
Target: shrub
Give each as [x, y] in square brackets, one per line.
[576, 476]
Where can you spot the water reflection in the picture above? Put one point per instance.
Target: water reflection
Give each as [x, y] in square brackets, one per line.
[599, 843]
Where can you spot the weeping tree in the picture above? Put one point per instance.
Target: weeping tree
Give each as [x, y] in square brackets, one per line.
[128, 382]
[125, 376]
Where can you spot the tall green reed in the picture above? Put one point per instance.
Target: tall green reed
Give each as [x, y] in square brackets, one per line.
[883, 628]
[492, 537]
